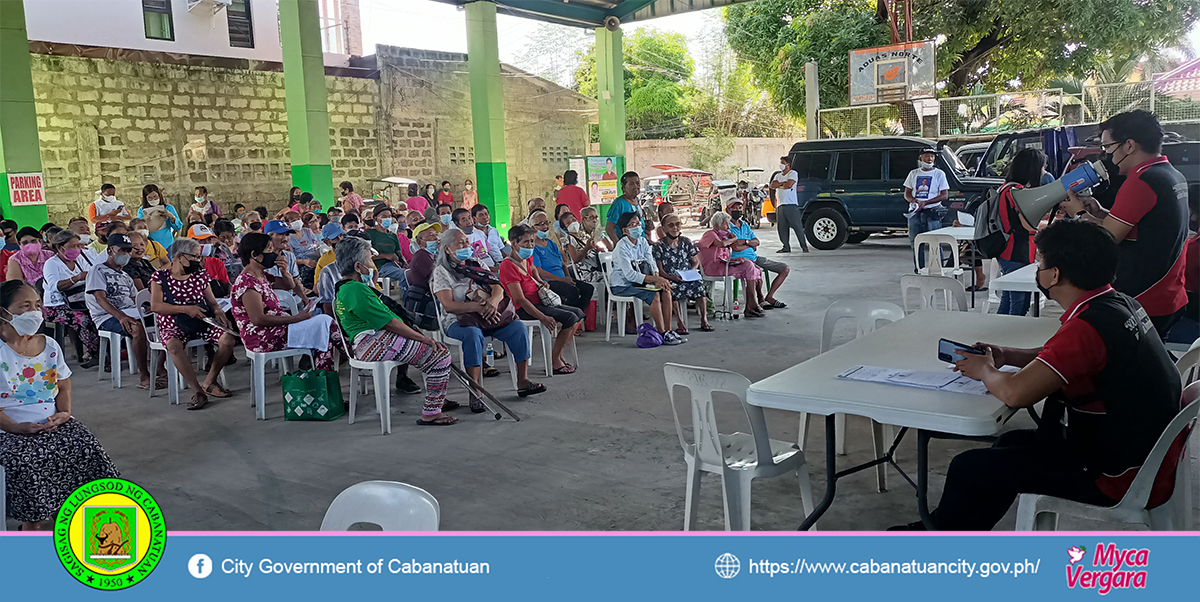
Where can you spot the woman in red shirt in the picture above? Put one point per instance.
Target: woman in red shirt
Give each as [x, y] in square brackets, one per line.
[1025, 171]
[571, 194]
[521, 280]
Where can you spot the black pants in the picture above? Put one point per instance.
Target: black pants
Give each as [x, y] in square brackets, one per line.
[565, 315]
[790, 216]
[1163, 324]
[577, 296]
[983, 483]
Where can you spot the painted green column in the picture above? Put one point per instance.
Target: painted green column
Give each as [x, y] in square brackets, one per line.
[610, 84]
[307, 101]
[487, 112]
[19, 152]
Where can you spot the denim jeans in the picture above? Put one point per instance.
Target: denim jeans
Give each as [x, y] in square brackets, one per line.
[1012, 303]
[398, 275]
[515, 336]
[924, 221]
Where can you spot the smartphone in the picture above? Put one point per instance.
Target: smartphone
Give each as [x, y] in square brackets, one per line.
[312, 305]
[951, 351]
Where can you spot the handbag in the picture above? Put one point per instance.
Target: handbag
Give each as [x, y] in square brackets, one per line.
[75, 295]
[192, 327]
[312, 395]
[507, 315]
[420, 303]
[549, 298]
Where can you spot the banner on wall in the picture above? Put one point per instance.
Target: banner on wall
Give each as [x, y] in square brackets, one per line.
[603, 179]
[26, 189]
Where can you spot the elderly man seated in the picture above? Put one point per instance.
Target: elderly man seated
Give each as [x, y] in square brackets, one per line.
[747, 246]
[110, 294]
[1105, 372]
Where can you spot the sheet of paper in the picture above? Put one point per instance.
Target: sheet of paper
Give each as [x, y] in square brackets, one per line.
[690, 275]
[922, 379]
[225, 303]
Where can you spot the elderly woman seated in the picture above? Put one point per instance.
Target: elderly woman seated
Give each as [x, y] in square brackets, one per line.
[635, 274]
[553, 265]
[377, 334]
[716, 259]
[63, 283]
[476, 308]
[181, 297]
[674, 254]
[46, 454]
[523, 281]
[261, 319]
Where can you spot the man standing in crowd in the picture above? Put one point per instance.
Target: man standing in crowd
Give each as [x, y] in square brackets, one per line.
[787, 208]
[1105, 371]
[110, 293]
[107, 208]
[631, 186]
[749, 250]
[571, 194]
[1148, 218]
[925, 189]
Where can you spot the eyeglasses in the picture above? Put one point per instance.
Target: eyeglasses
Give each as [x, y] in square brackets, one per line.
[1104, 147]
[190, 256]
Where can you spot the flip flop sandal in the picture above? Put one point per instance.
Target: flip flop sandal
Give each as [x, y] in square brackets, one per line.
[532, 389]
[778, 304]
[477, 406]
[566, 369]
[490, 372]
[146, 386]
[441, 420]
[682, 331]
[219, 392]
[450, 405]
[706, 328]
[199, 400]
[766, 305]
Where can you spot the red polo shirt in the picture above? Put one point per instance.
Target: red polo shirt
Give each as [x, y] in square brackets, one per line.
[1153, 200]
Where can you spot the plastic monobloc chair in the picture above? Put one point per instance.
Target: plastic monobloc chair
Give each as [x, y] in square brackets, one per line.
[391, 505]
[453, 343]
[866, 315]
[932, 287]
[928, 242]
[1040, 512]
[532, 326]
[616, 302]
[739, 457]
[381, 376]
[1189, 365]
[258, 373]
[110, 348]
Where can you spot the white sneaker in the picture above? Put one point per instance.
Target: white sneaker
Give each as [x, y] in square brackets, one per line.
[670, 337]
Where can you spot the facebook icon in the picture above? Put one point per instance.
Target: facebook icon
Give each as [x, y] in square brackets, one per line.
[200, 566]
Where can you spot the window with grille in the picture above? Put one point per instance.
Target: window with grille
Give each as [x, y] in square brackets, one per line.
[554, 154]
[462, 155]
[241, 27]
[156, 14]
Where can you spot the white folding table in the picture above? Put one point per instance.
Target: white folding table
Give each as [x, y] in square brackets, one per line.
[1022, 280]
[909, 343]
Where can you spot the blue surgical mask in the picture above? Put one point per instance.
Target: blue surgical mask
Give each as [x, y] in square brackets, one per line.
[366, 278]
[636, 232]
[445, 219]
[463, 254]
[524, 253]
[543, 235]
[386, 222]
[431, 246]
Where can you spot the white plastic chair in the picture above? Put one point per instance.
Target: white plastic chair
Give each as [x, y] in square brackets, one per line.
[933, 267]
[108, 342]
[174, 380]
[1189, 365]
[617, 303]
[932, 288]
[453, 343]
[391, 505]
[866, 315]
[381, 375]
[739, 457]
[547, 337]
[258, 374]
[1040, 512]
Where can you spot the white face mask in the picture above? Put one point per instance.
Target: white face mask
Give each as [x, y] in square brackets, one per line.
[85, 239]
[573, 228]
[143, 232]
[108, 197]
[154, 201]
[28, 323]
[925, 165]
[296, 225]
[469, 186]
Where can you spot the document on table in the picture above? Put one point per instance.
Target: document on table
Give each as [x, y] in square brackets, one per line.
[689, 275]
[921, 379]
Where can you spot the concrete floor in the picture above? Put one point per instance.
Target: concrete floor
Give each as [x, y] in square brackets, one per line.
[598, 451]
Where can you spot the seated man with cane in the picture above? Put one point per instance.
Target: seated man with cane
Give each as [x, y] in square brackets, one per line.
[1105, 370]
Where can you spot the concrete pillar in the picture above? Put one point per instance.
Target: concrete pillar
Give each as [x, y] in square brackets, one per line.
[307, 100]
[812, 101]
[610, 90]
[487, 111]
[19, 152]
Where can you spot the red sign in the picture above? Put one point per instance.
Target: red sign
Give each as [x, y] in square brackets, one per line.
[26, 189]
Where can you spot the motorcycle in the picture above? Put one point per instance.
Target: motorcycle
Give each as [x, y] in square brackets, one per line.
[752, 205]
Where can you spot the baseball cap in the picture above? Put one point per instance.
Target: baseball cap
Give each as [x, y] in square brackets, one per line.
[733, 204]
[200, 232]
[331, 231]
[423, 227]
[277, 226]
[119, 241]
[929, 150]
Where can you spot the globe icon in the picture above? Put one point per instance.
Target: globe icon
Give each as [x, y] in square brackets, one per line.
[727, 566]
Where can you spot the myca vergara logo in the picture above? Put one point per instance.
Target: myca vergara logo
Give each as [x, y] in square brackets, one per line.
[1112, 568]
[110, 534]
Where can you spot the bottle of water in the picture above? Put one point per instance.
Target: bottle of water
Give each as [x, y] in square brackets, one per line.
[491, 355]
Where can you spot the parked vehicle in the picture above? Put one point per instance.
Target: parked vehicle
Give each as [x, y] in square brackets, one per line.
[849, 188]
[970, 154]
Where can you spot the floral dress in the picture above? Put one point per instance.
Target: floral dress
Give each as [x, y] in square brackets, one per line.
[679, 258]
[184, 292]
[264, 339]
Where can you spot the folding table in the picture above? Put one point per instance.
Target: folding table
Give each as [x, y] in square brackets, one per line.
[1022, 280]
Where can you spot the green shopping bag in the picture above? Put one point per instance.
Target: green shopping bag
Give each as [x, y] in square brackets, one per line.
[312, 395]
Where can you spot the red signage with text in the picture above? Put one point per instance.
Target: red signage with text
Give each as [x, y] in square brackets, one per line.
[26, 189]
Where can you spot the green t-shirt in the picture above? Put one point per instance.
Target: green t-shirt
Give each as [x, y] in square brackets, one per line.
[358, 309]
[384, 243]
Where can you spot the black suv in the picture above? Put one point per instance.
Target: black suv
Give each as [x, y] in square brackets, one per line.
[850, 187]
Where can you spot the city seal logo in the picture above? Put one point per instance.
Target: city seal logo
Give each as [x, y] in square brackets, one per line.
[109, 534]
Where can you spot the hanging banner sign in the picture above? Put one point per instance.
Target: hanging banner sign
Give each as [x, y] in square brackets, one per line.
[26, 189]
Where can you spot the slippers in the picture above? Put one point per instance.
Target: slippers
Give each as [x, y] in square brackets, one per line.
[682, 331]
[706, 328]
[566, 369]
[774, 305]
[146, 386]
[490, 372]
[198, 401]
[216, 390]
[532, 389]
[440, 420]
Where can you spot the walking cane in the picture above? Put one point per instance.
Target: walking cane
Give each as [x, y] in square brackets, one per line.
[486, 397]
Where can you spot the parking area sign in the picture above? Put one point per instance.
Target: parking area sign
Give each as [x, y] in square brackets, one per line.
[26, 189]
[892, 73]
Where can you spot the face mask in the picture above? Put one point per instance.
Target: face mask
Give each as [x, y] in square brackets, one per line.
[28, 323]
[431, 246]
[543, 235]
[573, 228]
[736, 215]
[446, 189]
[143, 232]
[468, 186]
[468, 230]
[268, 259]
[296, 225]
[71, 254]
[85, 239]
[400, 225]
[463, 254]
[445, 219]
[256, 226]
[199, 200]
[121, 260]
[1113, 167]
[108, 197]
[430, 191]
[370, 223]
[783, 167]
[337, 219]
[295, 197]
[386, 222]
[524, 253]
[31, 248]
[154, 201]
[637, 232]
[1038, 281]
[192, 267]
[925, 165]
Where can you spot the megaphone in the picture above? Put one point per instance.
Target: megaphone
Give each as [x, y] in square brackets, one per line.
[1035, 203]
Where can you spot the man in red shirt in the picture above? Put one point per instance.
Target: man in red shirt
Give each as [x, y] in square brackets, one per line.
[1148, 218]
[571, 194]
[1105, 371]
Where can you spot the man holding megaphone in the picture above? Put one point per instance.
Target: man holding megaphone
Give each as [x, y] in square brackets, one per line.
[1148, 218]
